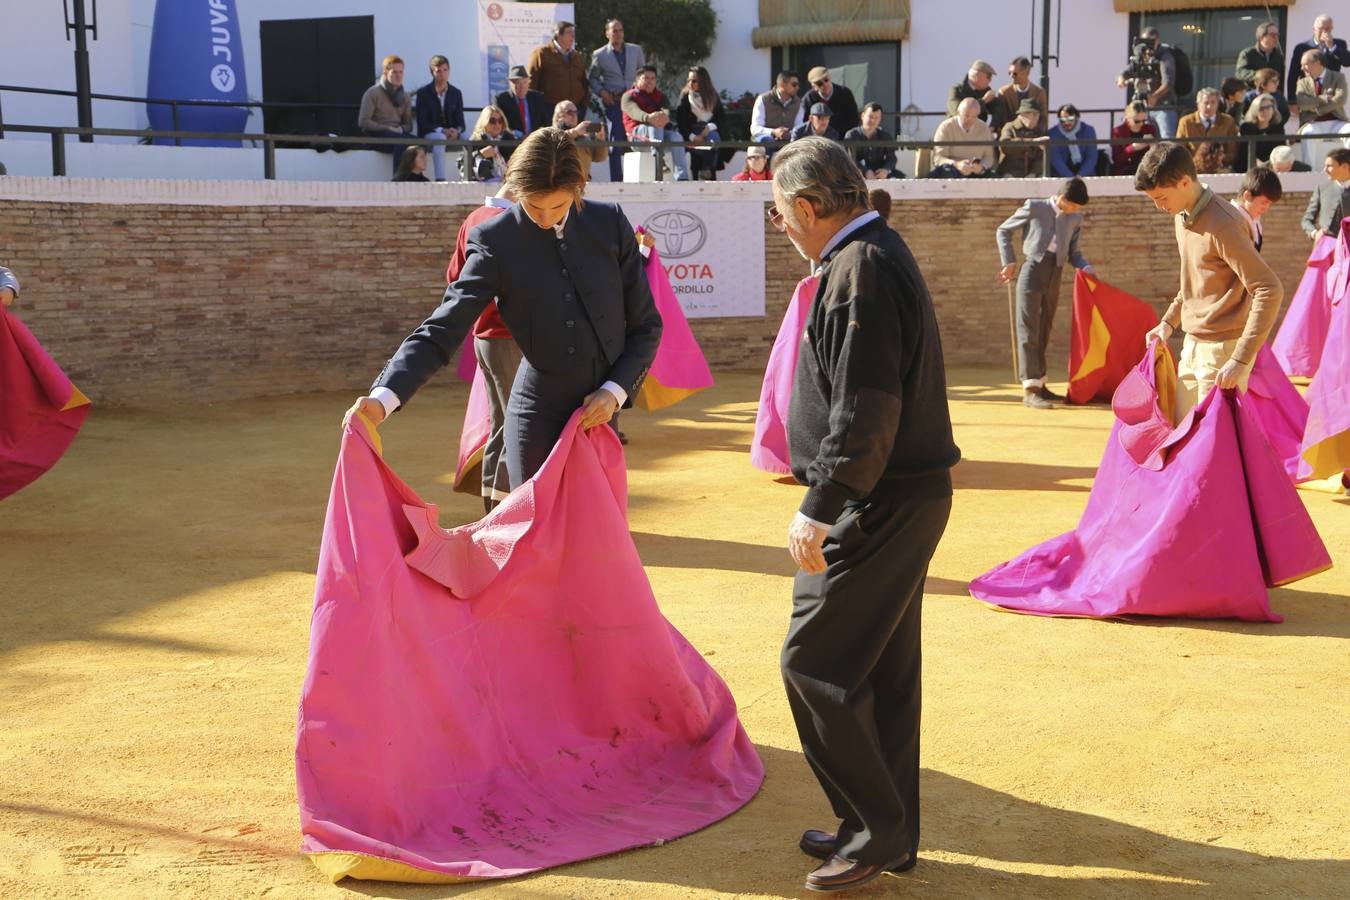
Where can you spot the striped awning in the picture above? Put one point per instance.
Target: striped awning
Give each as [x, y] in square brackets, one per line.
[784, 23]
[1130, 6]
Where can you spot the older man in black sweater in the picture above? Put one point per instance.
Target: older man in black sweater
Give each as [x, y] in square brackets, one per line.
[870, 436]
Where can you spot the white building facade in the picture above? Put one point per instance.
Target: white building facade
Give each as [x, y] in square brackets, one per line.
[1089, 44]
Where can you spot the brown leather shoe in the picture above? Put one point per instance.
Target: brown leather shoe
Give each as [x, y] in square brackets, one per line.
[820, 844]
[839, 874]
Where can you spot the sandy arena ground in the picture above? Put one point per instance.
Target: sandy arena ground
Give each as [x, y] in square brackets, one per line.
[155, 592]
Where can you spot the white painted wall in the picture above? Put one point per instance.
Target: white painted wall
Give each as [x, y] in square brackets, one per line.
[736, 66]
[1093, 49]
[37, 54]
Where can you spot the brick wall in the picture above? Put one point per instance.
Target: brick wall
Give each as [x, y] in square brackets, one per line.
[211, 302]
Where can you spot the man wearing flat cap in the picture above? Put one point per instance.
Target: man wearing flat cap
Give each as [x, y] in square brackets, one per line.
[1023, 161]
[818, 122]
[977, 85]
[526, 110]
[844, 115]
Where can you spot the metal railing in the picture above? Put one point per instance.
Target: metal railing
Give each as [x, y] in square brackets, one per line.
[268, 143]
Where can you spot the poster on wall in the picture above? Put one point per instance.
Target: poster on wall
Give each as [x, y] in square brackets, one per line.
[713, 253]
[508, 32]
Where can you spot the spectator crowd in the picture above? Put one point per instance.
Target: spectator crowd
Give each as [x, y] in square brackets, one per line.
[990, 131]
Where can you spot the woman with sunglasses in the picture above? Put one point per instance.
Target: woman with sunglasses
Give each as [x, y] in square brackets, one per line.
[1072, 160]
[1262, 118]
[698, 117]
[570, 285]
[1139, 130]
[489, 163]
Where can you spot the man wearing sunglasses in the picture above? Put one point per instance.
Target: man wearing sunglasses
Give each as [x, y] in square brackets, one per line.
[844, 115]
[870, 436]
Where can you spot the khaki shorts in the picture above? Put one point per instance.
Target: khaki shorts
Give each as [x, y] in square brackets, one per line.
[1198, 369]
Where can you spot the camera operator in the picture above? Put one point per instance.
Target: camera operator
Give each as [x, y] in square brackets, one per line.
[1151, 76]
[589, 136]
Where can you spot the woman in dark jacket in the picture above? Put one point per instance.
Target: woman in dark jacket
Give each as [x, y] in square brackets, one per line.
[698, 117]
[412, 165]
[1262, 118]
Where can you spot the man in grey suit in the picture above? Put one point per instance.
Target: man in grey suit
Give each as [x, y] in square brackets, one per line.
[570, 286]
[1051, 229]
[1330, 203]
[614, 68]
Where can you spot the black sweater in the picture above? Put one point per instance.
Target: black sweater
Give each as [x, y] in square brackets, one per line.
[869, 399]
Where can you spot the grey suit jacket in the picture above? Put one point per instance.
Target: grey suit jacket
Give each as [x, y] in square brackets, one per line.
[7, 280]
[1326, 207]
[1330, 102]
[1039, 224]
[605, 73]
[538, 282]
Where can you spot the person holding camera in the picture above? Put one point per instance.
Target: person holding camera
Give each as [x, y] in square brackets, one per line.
[588, 136]
[1151, 77]
[953, 155]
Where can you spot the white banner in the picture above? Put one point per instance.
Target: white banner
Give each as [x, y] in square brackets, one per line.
[713, 253]
[508, 32]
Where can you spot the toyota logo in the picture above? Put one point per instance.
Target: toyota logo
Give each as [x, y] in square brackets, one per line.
[677, 233]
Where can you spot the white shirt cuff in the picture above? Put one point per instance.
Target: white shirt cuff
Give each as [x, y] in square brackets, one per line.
[821, 525]
[644, 250]
[619, 393]
[387, 398]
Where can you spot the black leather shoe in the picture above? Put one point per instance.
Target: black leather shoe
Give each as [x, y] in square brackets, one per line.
[839, 874]
[820, 844]
[1046, 394]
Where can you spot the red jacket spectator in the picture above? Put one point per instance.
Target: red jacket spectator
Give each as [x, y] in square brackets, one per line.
[489, 325]
[648, 103]
[1125, 161]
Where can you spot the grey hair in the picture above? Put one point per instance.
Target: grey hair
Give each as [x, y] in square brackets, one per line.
[821, 172]
[1205, 92]
[1282, 153]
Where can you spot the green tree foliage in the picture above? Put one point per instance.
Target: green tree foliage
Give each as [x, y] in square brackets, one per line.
[674, 34]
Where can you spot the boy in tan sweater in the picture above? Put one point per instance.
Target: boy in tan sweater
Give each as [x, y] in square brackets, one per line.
[1229, 298]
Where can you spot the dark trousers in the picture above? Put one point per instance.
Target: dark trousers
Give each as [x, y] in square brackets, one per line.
[540, 405]
[851, 663]
[614, 115]
[1037, 299]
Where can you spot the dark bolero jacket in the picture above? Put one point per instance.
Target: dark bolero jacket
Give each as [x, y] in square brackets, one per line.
[533, 275]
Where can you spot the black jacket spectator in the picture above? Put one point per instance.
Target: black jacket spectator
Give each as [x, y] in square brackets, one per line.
[805, 130]
[1243, 161]
[990, 113]
[843, 107]
[541, 114]
[686, 123]
[431, 115]
[1338, 57]
[869, 159]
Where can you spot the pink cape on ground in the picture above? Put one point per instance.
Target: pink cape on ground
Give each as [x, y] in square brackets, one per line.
[1278, 408]
[1326, 441]
[504, 696]
[679, 368]
[40, 410]
[1298, 344]
[769, 448]
[1194, 521]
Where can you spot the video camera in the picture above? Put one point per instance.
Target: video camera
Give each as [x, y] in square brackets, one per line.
[1143, 67]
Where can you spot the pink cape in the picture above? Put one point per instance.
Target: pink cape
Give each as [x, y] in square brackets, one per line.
[1326, 441]
[40, 410]
[679, 368]
[1278, 408]
[473, 437]
[1302, 334]
[504, 696]
[769, 448]
[1194, 521]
